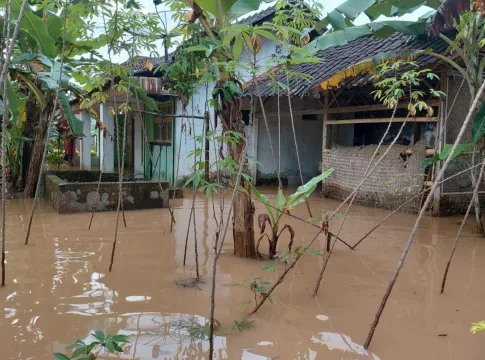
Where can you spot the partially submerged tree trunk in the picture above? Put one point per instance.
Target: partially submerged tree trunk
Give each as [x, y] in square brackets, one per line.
[243, 216]
[34, 169]
[243, 224]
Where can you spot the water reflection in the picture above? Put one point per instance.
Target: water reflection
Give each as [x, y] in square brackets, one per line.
[307, 350]
[97, 299]
[175, 336]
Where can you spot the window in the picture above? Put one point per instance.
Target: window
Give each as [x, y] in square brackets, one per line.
[162, 126]
[245, 116]
[309, 117]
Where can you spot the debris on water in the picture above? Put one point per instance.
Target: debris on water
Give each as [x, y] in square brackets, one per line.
[322, 317]
[190, 283]
[443, 335]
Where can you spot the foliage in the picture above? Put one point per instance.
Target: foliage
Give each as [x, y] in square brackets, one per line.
[273, 216]
[84, 351]
[256, 285]
[299, 15]
[395, 84]
[341, 28]
[243, 325]
[478, 327]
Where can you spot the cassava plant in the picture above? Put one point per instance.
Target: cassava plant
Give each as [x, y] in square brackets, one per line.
[283, 205]
[90, 351]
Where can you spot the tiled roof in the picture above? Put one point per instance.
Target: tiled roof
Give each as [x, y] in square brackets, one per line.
[337, 58]
[259, 17]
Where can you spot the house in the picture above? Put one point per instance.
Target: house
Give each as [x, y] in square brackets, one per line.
[338, 124]
[169, 139]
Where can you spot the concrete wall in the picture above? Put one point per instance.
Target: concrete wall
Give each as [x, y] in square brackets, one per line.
[73, 197]
[394, 181]
[308, 135]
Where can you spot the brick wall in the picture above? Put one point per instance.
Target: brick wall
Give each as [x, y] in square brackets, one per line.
[395, 180]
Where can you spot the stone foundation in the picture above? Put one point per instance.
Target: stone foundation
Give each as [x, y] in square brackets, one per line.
[75, 191]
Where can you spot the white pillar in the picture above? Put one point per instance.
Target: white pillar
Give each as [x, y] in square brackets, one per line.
[138, 146]
[107, 157]
[86, 141]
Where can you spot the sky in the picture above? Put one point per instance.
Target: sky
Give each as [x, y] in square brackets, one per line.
[329, 5]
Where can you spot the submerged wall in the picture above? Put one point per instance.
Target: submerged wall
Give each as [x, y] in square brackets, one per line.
[72, 197]
[396, 179]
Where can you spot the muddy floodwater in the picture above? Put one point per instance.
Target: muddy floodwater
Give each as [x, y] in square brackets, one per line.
[59, 288]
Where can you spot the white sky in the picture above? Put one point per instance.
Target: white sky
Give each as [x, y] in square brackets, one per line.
[329, 5]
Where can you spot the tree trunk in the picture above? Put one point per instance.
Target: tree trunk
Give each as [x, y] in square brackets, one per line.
[34, 169]
[32, 120]
[243, 224]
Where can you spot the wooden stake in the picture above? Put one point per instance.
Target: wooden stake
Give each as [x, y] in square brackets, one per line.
[420, 216]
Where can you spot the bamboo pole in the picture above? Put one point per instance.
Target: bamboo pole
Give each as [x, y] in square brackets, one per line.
[420, 216]
[472, 201]
[296, 143]
[122, 167]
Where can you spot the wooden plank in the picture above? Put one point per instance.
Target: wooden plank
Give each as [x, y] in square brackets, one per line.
[381, 120]
[347, 109]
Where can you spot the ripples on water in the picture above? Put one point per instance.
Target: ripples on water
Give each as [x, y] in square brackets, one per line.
[59, 290]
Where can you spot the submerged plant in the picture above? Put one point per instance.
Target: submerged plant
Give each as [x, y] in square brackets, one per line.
[478, 327]
[273, 217]
[84, 351]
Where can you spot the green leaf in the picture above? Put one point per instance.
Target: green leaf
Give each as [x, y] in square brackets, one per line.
[75, 124]
[120, 338]
[264, 199]
[266, 34]
[110, 346]
[280, 200]
[268, 266]
[80, 351]
[336, 19]
[54, 26]
[461, 148]
[304, 191]
[99, 335]
[36, 28]
[242, 7]
[353, 8]
[238, 45]
[213, 6]
[60, 356]
[478, 126]
[150, 104]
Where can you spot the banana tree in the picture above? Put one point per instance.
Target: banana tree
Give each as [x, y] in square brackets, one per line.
[341, 28]
[274, 215]
[206, 20]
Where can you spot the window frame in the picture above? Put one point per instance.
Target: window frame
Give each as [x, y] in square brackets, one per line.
[157, 119]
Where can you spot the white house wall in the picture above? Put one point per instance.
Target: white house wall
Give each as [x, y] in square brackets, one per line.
[308, 135]
[199, 99]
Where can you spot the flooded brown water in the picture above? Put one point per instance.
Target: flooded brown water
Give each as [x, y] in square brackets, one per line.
[59, 289]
